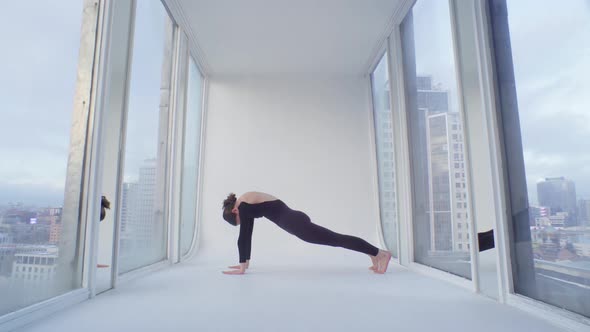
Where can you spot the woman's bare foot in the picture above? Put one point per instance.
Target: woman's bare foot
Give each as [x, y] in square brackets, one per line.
[382, 258]
[374, 260]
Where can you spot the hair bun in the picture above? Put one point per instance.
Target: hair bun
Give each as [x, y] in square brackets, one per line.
[229, 201]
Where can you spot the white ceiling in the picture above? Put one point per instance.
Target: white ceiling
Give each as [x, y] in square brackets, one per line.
[277, 37]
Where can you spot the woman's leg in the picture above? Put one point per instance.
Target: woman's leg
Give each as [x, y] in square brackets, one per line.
[303, 228]
[299, 224]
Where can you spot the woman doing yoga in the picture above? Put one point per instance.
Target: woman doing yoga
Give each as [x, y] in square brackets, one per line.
[253, 205]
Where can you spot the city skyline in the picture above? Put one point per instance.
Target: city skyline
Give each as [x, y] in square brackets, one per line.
[459, 125]
[30, 239]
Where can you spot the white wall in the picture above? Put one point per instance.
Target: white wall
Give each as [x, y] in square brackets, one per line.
[306, 141]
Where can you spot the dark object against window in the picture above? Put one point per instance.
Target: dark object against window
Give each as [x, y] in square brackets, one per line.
[104, 204]
[486, 240]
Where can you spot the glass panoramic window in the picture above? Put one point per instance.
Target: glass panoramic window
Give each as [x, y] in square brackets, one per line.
[143, 226]
[434, 126]
[190, 164]
[546, 106]
[385, 164]
[38, 62]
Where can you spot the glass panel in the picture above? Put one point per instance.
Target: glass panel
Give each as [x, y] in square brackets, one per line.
[115, 84]
[190, 164]
[550, 177]
[39, 58]
[484, 212]
[385, 163]
[143, 222]
[441, 220]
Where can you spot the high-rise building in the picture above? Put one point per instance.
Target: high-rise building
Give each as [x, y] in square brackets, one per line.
[444, 163]
[126, 197]
[431, 98]
[428, 101]
[387, 166]
[5, 238]
[145, 223]
[6, 251]
[52, 218]
[138, 217]
[559, 195]
[449, 216]
[584, 212]
[538, 213]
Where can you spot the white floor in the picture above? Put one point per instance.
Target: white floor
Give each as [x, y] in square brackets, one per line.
[333, 291]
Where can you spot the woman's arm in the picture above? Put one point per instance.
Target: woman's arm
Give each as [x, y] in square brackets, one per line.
[244, 244]
[245, 238]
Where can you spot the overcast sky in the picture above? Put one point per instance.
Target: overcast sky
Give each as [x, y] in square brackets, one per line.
[552, 68]
[38, 66]
[144, 97]
[37, 80]
[38, 63]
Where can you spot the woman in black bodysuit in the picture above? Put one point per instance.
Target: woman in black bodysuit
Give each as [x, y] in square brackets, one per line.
[253, 205]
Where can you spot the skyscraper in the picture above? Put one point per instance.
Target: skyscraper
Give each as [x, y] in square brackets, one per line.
[559, 195]
[55, 225]
[146, 212]
[449, 217]
[430, 98]
[442, 158]
[427, 101]
[584, 212]
[139, 218]
[7, 249]
[384, 130]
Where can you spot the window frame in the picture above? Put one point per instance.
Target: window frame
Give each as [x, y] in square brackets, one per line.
[383, 54]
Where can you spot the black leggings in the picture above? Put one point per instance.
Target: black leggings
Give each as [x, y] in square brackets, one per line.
[299, 224]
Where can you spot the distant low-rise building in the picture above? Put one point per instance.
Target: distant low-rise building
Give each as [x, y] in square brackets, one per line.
[33, 271]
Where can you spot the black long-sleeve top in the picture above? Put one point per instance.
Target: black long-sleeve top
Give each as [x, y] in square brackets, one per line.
[245, 238]
[269, 209]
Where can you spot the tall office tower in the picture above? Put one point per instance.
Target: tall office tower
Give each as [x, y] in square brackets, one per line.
[54, 224]
[431, 98]
[449, 216]
[138, 220]
[384, 131]
[559, 194]
[584, 212]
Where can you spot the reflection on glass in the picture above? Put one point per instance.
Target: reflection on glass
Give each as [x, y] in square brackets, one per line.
[385, 163]
[190, 164]
[38, 63]
[143, 223]
[551, 70]
[441, 219]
